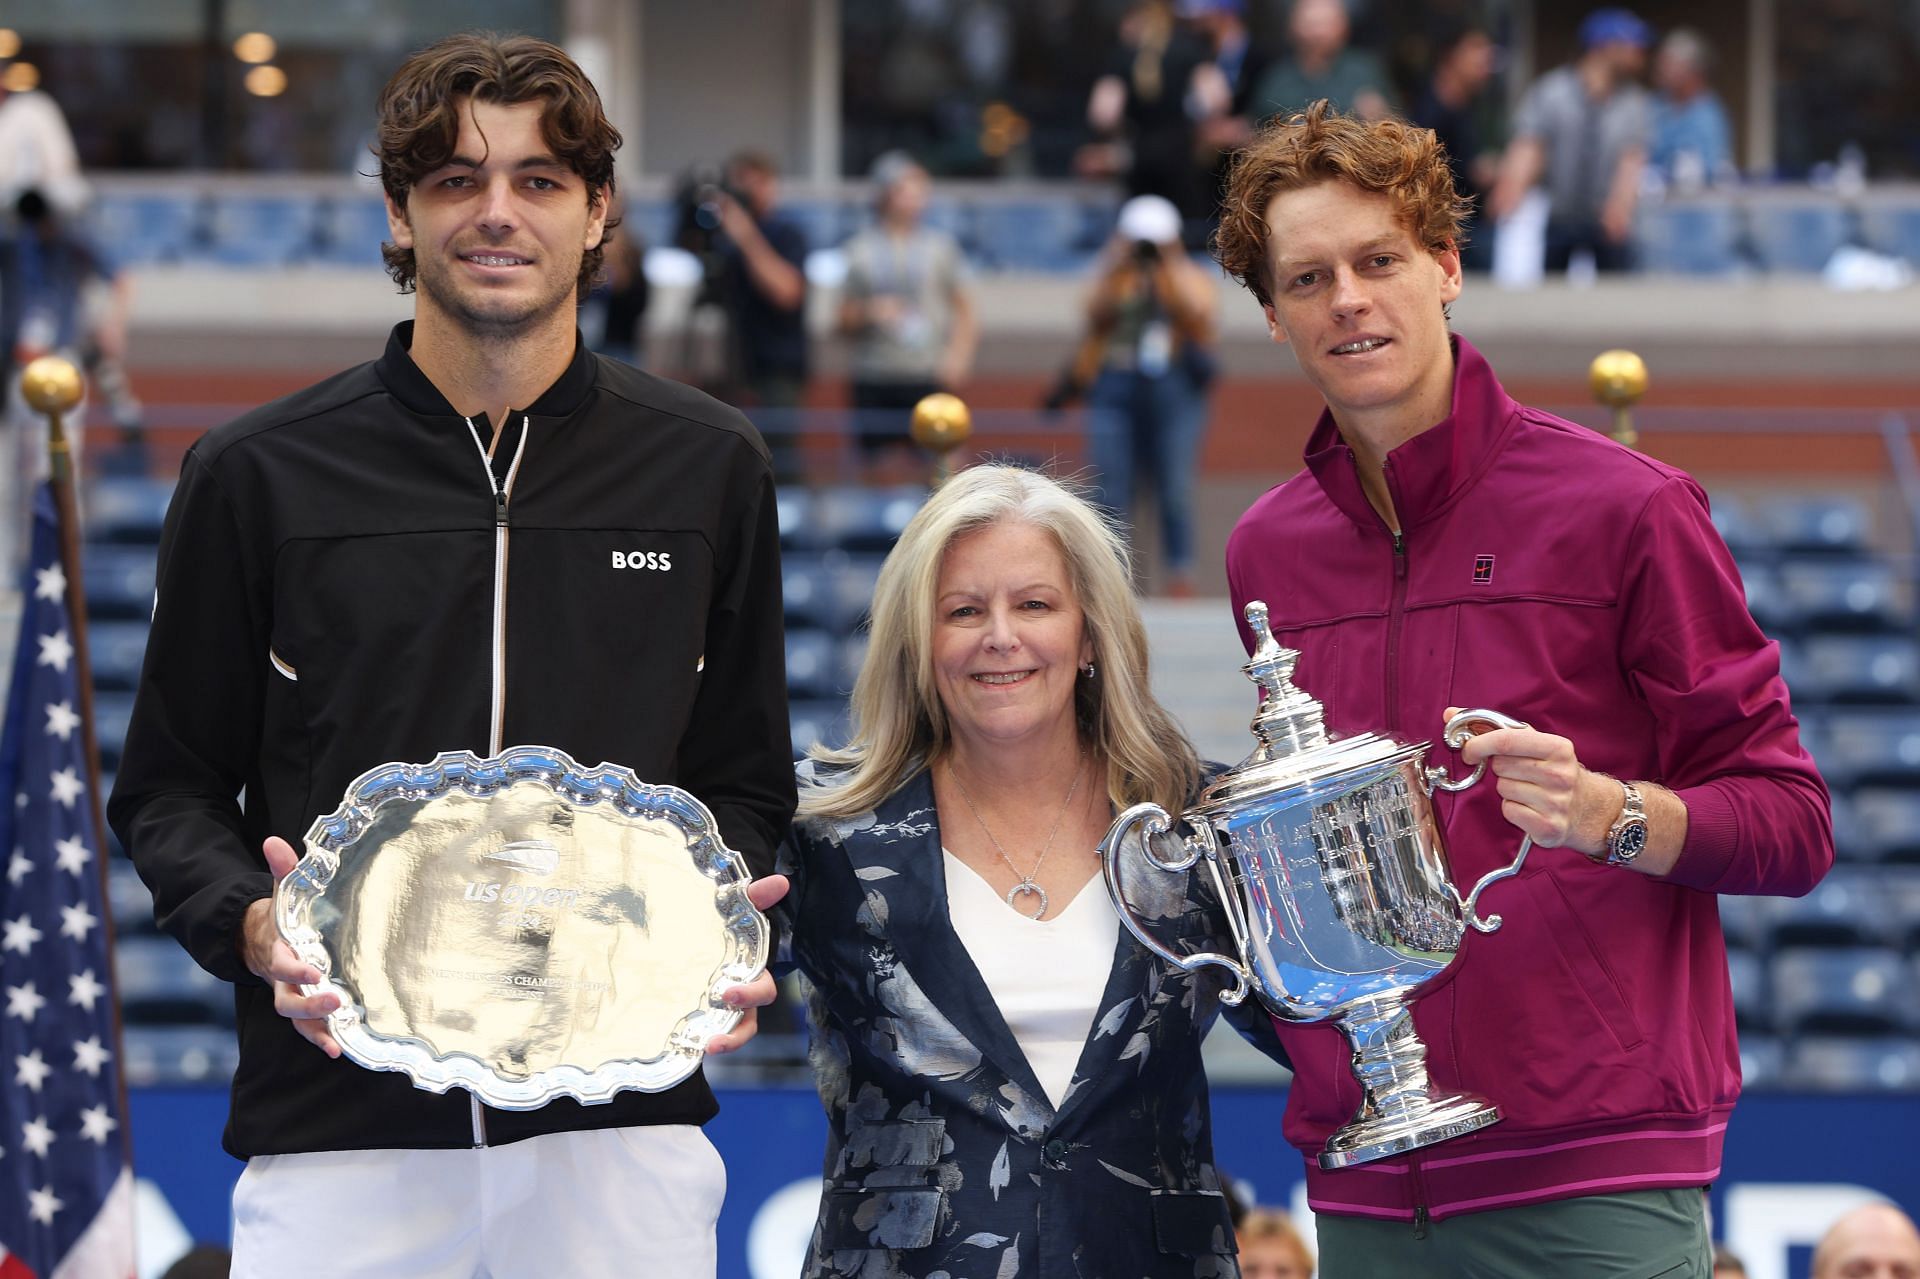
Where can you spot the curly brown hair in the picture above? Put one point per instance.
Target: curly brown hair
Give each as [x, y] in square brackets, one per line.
[1392, 157]
[419, 122]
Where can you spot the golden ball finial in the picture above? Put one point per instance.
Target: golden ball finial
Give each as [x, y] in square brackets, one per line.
[941, 422]
[1618, 377]
[51, 384]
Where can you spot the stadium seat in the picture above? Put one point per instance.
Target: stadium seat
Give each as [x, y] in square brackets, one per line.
[650, 222]
[1688, 237]
[126, 508]
[1738, 527]
[135, 230]
[1765, 600]
[129, 901]
[1846, 909]
[813, 668]
[1830, 525]
[112, 712]
[262, 230]
[1900, 885]
[1837, 1064]
[817, 723]
[1869, 747]
[160, 984]
[116, 649]
[1850, 991]
[1751, 1006]
[806, 590]
[863, 519]
[1886, 825]
[1842, 594]
[1796, 235]
[350, 232]
[795, 507]
[158, 1056]
[1034, 235]
[1742, 919]
[1762, 1060]
[1859, 668]
[824, 223]
[1893, 228]
[119, 581]
[852, 655]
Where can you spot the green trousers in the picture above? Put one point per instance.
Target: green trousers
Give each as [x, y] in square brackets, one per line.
[1644, 1234]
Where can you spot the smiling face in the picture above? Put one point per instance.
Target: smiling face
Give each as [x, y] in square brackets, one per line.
[1009, 638]
[1360, 301]
[499, 231]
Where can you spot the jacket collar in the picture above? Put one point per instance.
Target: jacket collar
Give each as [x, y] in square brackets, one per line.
[411, 387]
[1434, 468]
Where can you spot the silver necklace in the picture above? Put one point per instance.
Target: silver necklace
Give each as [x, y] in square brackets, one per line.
[1026, 884]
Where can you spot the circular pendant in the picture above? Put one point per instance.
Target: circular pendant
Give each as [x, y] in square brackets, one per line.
[1028, 886]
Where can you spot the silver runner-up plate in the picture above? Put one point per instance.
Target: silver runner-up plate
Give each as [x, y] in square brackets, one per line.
[522, 926]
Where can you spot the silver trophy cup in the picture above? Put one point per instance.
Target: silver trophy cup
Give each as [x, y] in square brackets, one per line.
[1334, 878]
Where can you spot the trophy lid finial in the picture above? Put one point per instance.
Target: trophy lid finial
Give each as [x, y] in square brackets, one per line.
[1289, 718]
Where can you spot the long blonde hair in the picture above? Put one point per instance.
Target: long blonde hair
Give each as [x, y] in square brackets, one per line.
[899, 723]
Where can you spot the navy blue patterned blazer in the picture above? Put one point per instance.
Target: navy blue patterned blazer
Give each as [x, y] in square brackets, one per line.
[945, 1159]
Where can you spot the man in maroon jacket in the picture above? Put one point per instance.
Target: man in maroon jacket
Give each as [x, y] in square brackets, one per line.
[1448, 547]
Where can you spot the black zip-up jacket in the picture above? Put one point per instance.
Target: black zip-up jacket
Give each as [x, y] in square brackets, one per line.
[327, 603]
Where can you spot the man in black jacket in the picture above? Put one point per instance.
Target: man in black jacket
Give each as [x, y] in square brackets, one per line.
[334, 593]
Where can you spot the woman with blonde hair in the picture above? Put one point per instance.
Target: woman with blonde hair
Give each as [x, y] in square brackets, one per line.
[1271, 1247]
[1013, 1085]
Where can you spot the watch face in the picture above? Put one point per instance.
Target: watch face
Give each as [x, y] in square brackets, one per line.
[1630, 841]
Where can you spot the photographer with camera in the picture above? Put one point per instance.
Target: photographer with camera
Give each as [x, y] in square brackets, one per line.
[761, 258]
[1145, 366]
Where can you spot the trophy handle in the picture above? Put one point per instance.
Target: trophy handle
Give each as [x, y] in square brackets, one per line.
[1197, 845]
[1458, 730]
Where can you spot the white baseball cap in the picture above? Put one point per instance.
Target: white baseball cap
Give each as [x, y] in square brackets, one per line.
[1150, 217]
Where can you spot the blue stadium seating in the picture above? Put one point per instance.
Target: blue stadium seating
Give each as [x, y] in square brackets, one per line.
[1838, 1064]
[817, 723]
[162, 1055]
[1859, 668]
[1743, 921]
[1765, 600]
[1848, 992]
[795, 508]
[1893, 229]
[1050, 235]
[112, 712]
[119, 581]
[1868, 747]
[813, 667]
[861, 519]
[1751, 1005]
[135, 230]
[1796, 234]
[1763, 1059]
[261, 231]
[126, 509]
[128, 900]
[1886, 826]
[349, 232]
[1688, 237]
[116, 649]
[1846, 909]
[160, 983]
[1843, 594]
[1837, 525]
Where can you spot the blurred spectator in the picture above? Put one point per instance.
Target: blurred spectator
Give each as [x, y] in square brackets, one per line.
[765, 287]
[36, 149]
[906, 308]
[1726, 1265]
[1875, 1242]
[1692, 142]
[1454, 106]
[1144, 109]
[1271, 1248]
[613, 318]
[1584, 127]
[1320, 64]
[1222, 24]
[1148, 361]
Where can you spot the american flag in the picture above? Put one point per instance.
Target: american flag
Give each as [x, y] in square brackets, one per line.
[66, 1188]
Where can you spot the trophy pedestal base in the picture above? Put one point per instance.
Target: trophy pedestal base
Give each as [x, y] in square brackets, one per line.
[1431, 1121]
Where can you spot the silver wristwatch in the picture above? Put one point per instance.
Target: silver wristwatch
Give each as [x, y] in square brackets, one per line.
[1628, 834]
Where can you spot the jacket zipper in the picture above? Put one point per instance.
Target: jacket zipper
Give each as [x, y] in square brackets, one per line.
[1395, 616]
[497, 709]
[1419, 1188]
